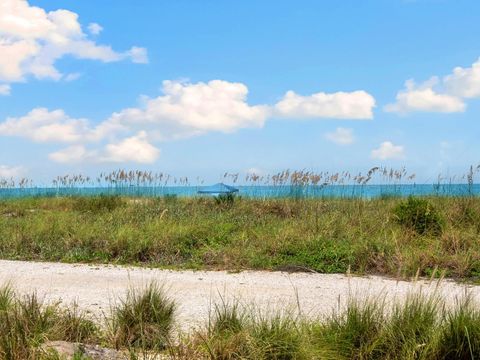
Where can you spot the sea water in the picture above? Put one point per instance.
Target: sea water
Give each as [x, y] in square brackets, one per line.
[284, 191]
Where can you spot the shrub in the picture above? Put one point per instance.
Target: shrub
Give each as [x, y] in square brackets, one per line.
[419, 215]
[98, 204]
[143, 320]
[225, 199]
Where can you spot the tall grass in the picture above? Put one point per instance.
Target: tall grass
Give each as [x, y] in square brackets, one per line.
[287, 183]
[143, 320]
[419, 327]
[322, 235]
[26, 324]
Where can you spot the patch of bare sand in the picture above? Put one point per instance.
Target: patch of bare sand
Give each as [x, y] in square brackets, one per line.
[96, 287]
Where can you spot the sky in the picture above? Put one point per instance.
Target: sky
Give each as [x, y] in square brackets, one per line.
[198, 88]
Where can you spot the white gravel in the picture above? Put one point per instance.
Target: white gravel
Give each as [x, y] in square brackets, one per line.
[95, 288]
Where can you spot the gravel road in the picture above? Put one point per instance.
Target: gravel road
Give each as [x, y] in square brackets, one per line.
[95, 288]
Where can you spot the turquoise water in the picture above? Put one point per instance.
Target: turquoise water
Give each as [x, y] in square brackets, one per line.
[335, 191]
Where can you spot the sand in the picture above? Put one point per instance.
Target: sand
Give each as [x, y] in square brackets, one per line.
[96, 288]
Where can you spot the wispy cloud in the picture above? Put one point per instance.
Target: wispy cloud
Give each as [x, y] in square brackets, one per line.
[341, 136]
[7, 172]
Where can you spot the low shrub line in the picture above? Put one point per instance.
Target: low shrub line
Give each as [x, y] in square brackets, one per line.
[389, 236]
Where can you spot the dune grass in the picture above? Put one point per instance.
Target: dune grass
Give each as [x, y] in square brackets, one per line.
[324, 235]
[418, 327]
[26, 323]
[143, 320]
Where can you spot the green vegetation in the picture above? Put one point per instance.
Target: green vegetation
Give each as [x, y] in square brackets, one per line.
[143, 320]
[26, 323]
[420, 327]
[389, 235]
[419, 215]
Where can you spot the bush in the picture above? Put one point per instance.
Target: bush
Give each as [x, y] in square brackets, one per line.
[419, 215]
[225, 199]
[97, 204]
[143, 320]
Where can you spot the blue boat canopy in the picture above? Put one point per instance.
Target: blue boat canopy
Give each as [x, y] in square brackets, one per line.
[219, 188]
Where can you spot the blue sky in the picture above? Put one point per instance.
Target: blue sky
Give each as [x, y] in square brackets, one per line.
[197, 87]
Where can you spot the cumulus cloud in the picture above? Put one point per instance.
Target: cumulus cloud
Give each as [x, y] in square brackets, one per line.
[183, 110]
[7, 172]
[135, 149]
[4, 89]
[42, 125]
[32, 40]
[339, 105]
[464, 82]
[72, 154]
[425, 99]
[445, 95]
[387, 150]
[192, 109]
[341, 136]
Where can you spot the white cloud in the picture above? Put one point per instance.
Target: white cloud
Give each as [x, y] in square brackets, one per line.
[464, 82]
[32, 40]
[42, 125]
[135, 149]
[94, 28]
[4, 89]
[71, 154]
[183, 110]
[446, 95]
[192, 109]
[7, 172]
[388, 150]
[339, 105]
[425, 99]
[138, 55]
[341, 136]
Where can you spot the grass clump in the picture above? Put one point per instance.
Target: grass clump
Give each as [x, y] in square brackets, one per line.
[460, 334]
[96, 204]
[234, 332]
[352, 333]
[419, 215]
[411, 328]
[26, 324]
[143, 320]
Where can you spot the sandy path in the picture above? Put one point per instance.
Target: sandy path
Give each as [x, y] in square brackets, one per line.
[95, 288]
